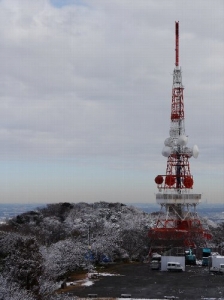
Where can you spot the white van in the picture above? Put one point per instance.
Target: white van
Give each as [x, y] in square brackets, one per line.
[218, 270]
[174, 266]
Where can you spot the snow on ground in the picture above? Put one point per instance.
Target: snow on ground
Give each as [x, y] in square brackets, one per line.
[84, 282]
[81, 282]
[94, 275]
[109, 274]
[87, 281]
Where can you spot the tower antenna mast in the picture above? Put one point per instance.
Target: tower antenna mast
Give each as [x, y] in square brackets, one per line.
[178, 223]
[177, 43]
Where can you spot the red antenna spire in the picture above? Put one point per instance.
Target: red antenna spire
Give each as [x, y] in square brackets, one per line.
[177, 43]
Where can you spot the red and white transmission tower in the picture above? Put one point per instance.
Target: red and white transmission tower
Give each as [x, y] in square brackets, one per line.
[178, 223]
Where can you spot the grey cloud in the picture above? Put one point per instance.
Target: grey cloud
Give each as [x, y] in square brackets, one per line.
[96, 79]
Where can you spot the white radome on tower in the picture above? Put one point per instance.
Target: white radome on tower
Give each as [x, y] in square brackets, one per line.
[182, 140]
[195, 151]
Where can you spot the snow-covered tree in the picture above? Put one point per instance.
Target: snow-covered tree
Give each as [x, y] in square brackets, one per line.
[62, 257]
[218, 236]
[11, 291]
[24, 262]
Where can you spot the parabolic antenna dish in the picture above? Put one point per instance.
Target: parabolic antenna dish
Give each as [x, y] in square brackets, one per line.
[166, 151]
[195, 151]
[168, 142]
[182, 140]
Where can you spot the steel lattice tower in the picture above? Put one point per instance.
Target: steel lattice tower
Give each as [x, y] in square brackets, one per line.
[178, 223]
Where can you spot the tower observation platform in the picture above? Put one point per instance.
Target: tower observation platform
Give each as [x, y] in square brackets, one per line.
[171, 198]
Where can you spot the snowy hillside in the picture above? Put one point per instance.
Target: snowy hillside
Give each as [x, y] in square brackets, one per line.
[40, 248]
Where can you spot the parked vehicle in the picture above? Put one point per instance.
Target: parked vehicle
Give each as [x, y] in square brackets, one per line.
[174, 266]
[155, 265]
[219, 269]
[190, 258]
[206, 252]
[216, 263]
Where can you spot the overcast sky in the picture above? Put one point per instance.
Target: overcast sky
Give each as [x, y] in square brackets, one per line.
[85, 97]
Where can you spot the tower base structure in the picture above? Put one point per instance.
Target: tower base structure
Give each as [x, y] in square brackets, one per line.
[178, 224]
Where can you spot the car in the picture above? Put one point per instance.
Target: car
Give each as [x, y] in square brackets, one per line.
[155, 265]
[174, 266]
